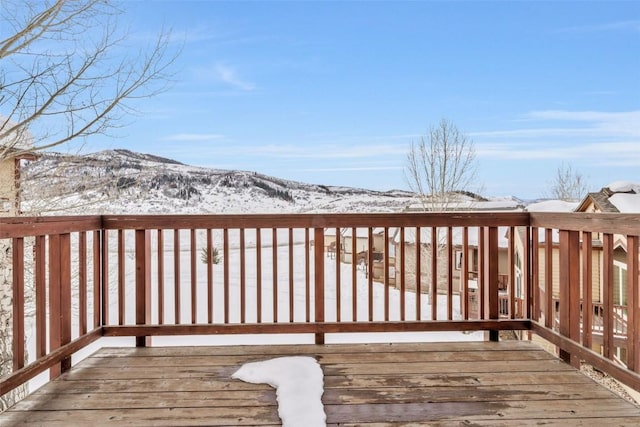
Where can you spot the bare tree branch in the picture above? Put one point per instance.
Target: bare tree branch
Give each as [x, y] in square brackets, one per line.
[63, 75]
[441, 166]
[568, 184]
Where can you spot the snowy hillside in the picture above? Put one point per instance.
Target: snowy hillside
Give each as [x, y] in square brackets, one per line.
[121, 181]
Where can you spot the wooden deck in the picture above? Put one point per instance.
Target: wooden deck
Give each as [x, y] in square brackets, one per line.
[440, 384]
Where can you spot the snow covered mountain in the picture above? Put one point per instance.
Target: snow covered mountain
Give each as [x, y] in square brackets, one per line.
[121, 181]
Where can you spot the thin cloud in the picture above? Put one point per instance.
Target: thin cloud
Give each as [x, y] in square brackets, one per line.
[352, 169]
[315, 151]
[329, 151]
[229, 75]
[623, 123]
[193, 137]
[585, 116]
[594, 124]
[599, 153]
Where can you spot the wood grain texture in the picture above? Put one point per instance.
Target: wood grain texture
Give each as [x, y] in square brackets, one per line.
[478, 383]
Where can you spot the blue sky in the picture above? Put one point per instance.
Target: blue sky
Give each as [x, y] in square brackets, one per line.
[335, 92]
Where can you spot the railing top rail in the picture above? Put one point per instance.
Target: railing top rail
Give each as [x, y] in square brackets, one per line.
[595, 222]
[446, 219]
[42, 225]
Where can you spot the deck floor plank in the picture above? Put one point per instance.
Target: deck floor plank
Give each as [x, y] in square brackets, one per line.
[443, 384]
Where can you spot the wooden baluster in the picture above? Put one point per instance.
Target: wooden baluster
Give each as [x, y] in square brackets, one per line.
[354, 276]
[633, 305]
[41, 296]
[82, 283]
[143, 283]
[243, 278]
[54, 299]
[121, 278]
[176, 276]
[210, 259]
[105, 277]
[370, 272]
[587, 290]
[160, 277]
[386, 274]
[418, 268]
[535, 273]
[607, 275]
[194, 277]
[18, 302]
[464, 298]
[512, 273]
[402, 266]
[491, 274]
[319, 281]
[307, 275]
[481, 272]
[338, 254]
[528, 303]
[548, 279]
[97, 277]
[449, 273]
[274, 260]
[225, 261]
[291, 278]
[434, 272]
[259, 275]
[65, 296]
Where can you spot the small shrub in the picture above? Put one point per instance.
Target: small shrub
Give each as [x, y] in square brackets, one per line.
[215, 256]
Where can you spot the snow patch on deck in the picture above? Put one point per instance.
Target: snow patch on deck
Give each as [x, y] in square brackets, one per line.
[299, 384]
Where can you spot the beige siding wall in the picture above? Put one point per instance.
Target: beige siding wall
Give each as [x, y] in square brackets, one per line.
[8, 191]
[596, 269]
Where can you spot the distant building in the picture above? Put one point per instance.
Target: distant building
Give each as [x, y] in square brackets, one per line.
[14, 148]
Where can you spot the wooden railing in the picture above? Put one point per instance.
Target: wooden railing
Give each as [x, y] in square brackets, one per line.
[76, 279]
[584, 243]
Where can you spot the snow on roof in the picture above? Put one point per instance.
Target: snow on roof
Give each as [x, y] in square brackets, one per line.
[364, 232]
[624, 187]
[626, 202]
[498, 204]
[457, 237]
[20, 139]
[552, 206]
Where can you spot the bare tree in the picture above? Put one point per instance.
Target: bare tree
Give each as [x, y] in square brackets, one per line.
[441, 169]
[65, 74]
[441, 166]
[568, 184]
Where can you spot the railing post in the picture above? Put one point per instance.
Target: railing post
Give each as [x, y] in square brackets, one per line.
[491, 277]
[143, 283]
[633, 305]
[59, 298]
[319, 280]
[569, 292]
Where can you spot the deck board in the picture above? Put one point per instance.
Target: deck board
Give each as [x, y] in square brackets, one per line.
[437, 384]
